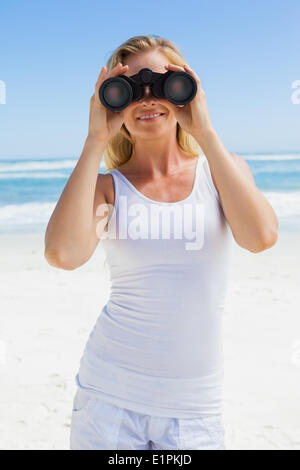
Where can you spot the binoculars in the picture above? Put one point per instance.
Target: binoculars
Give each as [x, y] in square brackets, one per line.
[116, 93]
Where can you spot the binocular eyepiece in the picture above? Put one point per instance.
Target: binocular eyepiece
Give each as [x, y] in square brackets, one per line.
[116, 93]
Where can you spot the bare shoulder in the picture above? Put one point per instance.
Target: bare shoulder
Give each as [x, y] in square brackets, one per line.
[105, 188]
[241, 162]
[243, 165]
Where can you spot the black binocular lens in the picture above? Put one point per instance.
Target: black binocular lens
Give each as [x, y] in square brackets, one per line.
[180, 88]
[117, 93]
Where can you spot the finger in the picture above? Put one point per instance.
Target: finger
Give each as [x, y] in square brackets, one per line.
[118, 69]
[95, 100]
[101, 77]
[185, 68]
[174, 67]
[189, 70]
[103, 72]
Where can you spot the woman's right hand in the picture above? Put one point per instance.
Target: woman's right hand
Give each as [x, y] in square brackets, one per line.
[104, 123]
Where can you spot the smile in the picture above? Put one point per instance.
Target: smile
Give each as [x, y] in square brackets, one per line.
[151, 119]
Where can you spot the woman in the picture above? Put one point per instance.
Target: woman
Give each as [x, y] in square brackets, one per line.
[151, 373]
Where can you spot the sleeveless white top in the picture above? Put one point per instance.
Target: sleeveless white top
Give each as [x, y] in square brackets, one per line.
[156, 347]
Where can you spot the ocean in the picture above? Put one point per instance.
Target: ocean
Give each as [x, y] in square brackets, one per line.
[30, 188]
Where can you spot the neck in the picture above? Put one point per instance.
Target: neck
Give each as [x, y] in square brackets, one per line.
[156, 157]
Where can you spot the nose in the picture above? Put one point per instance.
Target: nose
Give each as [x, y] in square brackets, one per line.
[147, 92]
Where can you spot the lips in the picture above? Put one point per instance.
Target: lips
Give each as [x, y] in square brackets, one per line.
[149, 119]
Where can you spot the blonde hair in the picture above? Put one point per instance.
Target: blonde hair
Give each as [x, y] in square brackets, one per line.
[120, 147]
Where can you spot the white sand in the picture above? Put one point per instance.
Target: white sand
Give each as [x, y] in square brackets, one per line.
[47, 315]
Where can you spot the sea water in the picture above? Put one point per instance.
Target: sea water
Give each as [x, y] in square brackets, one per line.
[30, 189]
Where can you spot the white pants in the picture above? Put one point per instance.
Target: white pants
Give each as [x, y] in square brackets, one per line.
[97, 425]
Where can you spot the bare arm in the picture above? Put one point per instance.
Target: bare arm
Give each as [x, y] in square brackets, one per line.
[71, 235]
[251, 217]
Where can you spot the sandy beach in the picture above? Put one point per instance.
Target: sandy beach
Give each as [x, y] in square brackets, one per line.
[47, 315]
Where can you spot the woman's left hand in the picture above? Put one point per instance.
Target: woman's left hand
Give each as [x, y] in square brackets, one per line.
[194, 116]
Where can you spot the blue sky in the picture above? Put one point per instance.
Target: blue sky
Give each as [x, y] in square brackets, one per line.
[246, 53]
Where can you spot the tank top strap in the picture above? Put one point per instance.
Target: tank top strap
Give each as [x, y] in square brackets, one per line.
[198, 169]
[115, 176]
[201, 174]
[205, 173]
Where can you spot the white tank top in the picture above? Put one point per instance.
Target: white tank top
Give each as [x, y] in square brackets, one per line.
[156, 347]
